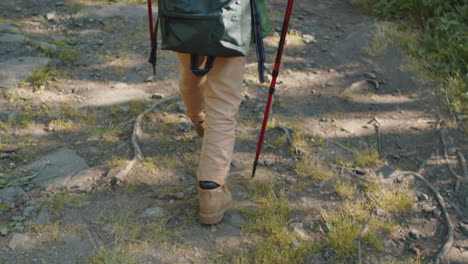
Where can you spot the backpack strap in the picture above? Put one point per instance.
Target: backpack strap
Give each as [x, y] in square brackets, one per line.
[194, 65]
[257, 29]
[153, 59]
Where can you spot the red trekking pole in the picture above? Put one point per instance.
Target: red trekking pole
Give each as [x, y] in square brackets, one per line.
[271, 91]
[151, 29]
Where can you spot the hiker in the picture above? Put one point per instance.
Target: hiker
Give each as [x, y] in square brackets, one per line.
[211, 82]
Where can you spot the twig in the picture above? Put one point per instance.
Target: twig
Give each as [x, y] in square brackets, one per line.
[459, 212]
[359, 251]
[463, 163]
[450, 233]
[138, 154]
[28, 180]
[297, 151]
[341, 145]
[442, 133]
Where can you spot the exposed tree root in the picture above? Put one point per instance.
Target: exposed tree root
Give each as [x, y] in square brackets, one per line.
[298, 151]
[450, 230]
[138, 154]
[460, 180]
[341, 145]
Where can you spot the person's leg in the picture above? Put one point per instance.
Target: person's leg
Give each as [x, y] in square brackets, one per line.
[223, 95]
[191, 89]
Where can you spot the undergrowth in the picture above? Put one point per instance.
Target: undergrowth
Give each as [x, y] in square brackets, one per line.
[439, 42]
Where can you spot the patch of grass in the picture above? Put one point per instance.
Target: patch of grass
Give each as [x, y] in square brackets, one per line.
[61, 124]
[344, 188]
[258, 189]
[348, 96]
[312, 168]
[116, 162]
[271, 221]
[434, 37]
[156, 230]
[397, 200]
[279, 140]
[42, 76]
[342, 233]
[369, 157]
[23, 154]
[117, 254]
[64, 51]
[108, 134]
[48, 233]
[137, 107]
[59, 201]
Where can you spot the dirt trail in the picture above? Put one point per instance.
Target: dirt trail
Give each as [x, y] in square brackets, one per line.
[68, 129]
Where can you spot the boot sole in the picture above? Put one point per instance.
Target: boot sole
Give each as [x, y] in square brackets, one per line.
[211, 219]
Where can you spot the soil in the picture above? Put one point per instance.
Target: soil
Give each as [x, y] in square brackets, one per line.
[330, 89]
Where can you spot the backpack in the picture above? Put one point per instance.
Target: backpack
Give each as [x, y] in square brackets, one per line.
[212, 28]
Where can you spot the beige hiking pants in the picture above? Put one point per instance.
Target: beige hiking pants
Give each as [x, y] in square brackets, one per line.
[215, 100]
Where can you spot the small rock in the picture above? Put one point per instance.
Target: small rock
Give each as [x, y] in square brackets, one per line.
[308, 39]
[415, 234]
[51, 16]
[17, 240]
[380, 212]
[18, 218]
[428, 208]
[268, 163]
[389, 244]
[423, 197]
[28, 211]
[150, 78]
[43, 216]
[179, 195]
[157, 96]
[299, 230]
[436, 213]
[180, 107]
[152, 212]
[48, 48]
[4, 231]
[12, 193]
[370, 75]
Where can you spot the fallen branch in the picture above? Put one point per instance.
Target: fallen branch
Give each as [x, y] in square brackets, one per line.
[450, 232]
[9, 149]
[297, 151]
[138, 154]
[341, 146]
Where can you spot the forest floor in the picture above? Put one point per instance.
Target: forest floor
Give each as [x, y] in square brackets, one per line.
[366, 127]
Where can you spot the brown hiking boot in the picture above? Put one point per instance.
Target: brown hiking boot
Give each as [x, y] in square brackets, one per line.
[213, 204]
[199, 128]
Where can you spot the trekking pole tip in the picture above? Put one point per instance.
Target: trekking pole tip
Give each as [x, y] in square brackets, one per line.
[254, 168]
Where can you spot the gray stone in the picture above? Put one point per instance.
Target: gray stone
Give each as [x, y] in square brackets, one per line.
[18, 218]
[28, 211]
[19, 69]
[150, 78]
[4, 232]
[7, 28]
[64, 164]
[84, 178]
[12, 193]
[380, 212]
[436, 213]
[299, 230]
[386, 172]
[428, 208]
[308, 38]
[179, 195]
[180, 107]
[43, 217]
[356, 87]
[18, 240]
[48, 48]
[51, 16]
[389, 244]
[415, 234]
[152, 212]
[370, 75]
[12, 38]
